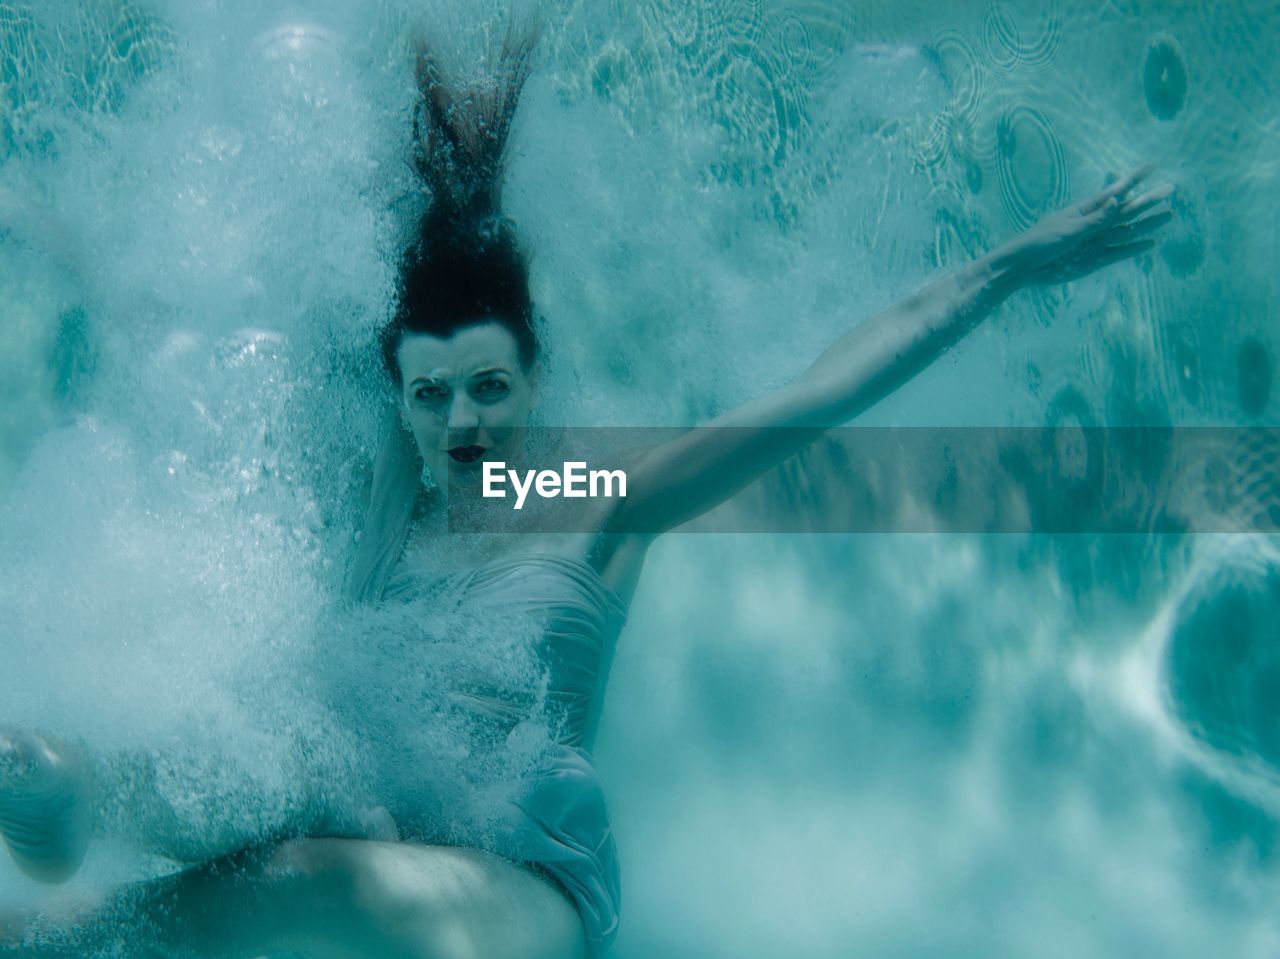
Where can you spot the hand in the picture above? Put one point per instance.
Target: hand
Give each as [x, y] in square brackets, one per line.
[1077, 240]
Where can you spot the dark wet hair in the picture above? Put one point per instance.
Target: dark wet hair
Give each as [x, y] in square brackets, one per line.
[465, 265]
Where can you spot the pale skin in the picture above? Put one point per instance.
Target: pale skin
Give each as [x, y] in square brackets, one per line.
[371, 898]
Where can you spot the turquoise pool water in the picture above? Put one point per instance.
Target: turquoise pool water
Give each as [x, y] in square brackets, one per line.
[900, 746]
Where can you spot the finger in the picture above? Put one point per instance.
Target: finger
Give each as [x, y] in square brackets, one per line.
[1141, 204]
[1137, 228]
[1125, 184]
[1117, 189]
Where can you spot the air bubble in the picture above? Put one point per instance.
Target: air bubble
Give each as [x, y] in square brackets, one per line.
[1223, 663]
[1253, 369]
[1164, 79]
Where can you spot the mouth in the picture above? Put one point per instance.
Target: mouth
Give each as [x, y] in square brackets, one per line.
[466, 454]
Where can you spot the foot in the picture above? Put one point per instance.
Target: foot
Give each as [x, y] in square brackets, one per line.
[44, 805]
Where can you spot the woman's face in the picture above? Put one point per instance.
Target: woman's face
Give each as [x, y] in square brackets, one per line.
[466, 399]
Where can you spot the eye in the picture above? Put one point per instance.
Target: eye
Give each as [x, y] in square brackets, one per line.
[430, 391]
[491, 386]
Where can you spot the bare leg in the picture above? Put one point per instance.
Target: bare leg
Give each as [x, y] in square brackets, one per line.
[51, 795]
[45, 805]
[325, 899]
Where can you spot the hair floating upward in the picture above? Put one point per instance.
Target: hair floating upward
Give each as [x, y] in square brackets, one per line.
[462, 138]
[465, 265]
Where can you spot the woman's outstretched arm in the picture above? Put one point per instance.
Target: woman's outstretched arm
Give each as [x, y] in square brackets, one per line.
[674, 482]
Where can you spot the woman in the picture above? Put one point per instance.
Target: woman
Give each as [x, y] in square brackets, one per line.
[463, 353]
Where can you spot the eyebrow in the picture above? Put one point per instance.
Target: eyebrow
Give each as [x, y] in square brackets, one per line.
[435, 377]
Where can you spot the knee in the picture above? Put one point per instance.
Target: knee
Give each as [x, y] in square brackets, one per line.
[424, 902]
[318, 865]
[362, 897]
[383, 881]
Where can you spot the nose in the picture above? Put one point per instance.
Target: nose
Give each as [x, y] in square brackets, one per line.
[464, 418]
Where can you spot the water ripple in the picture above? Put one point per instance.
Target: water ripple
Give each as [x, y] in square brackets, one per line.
[1031, 165]
[758, 108]
[1008, 46]
[1000, 40]
[963, 71]
[124, 42]
[796, 41]
[20, 55]
[741, 19]
[681, 20]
